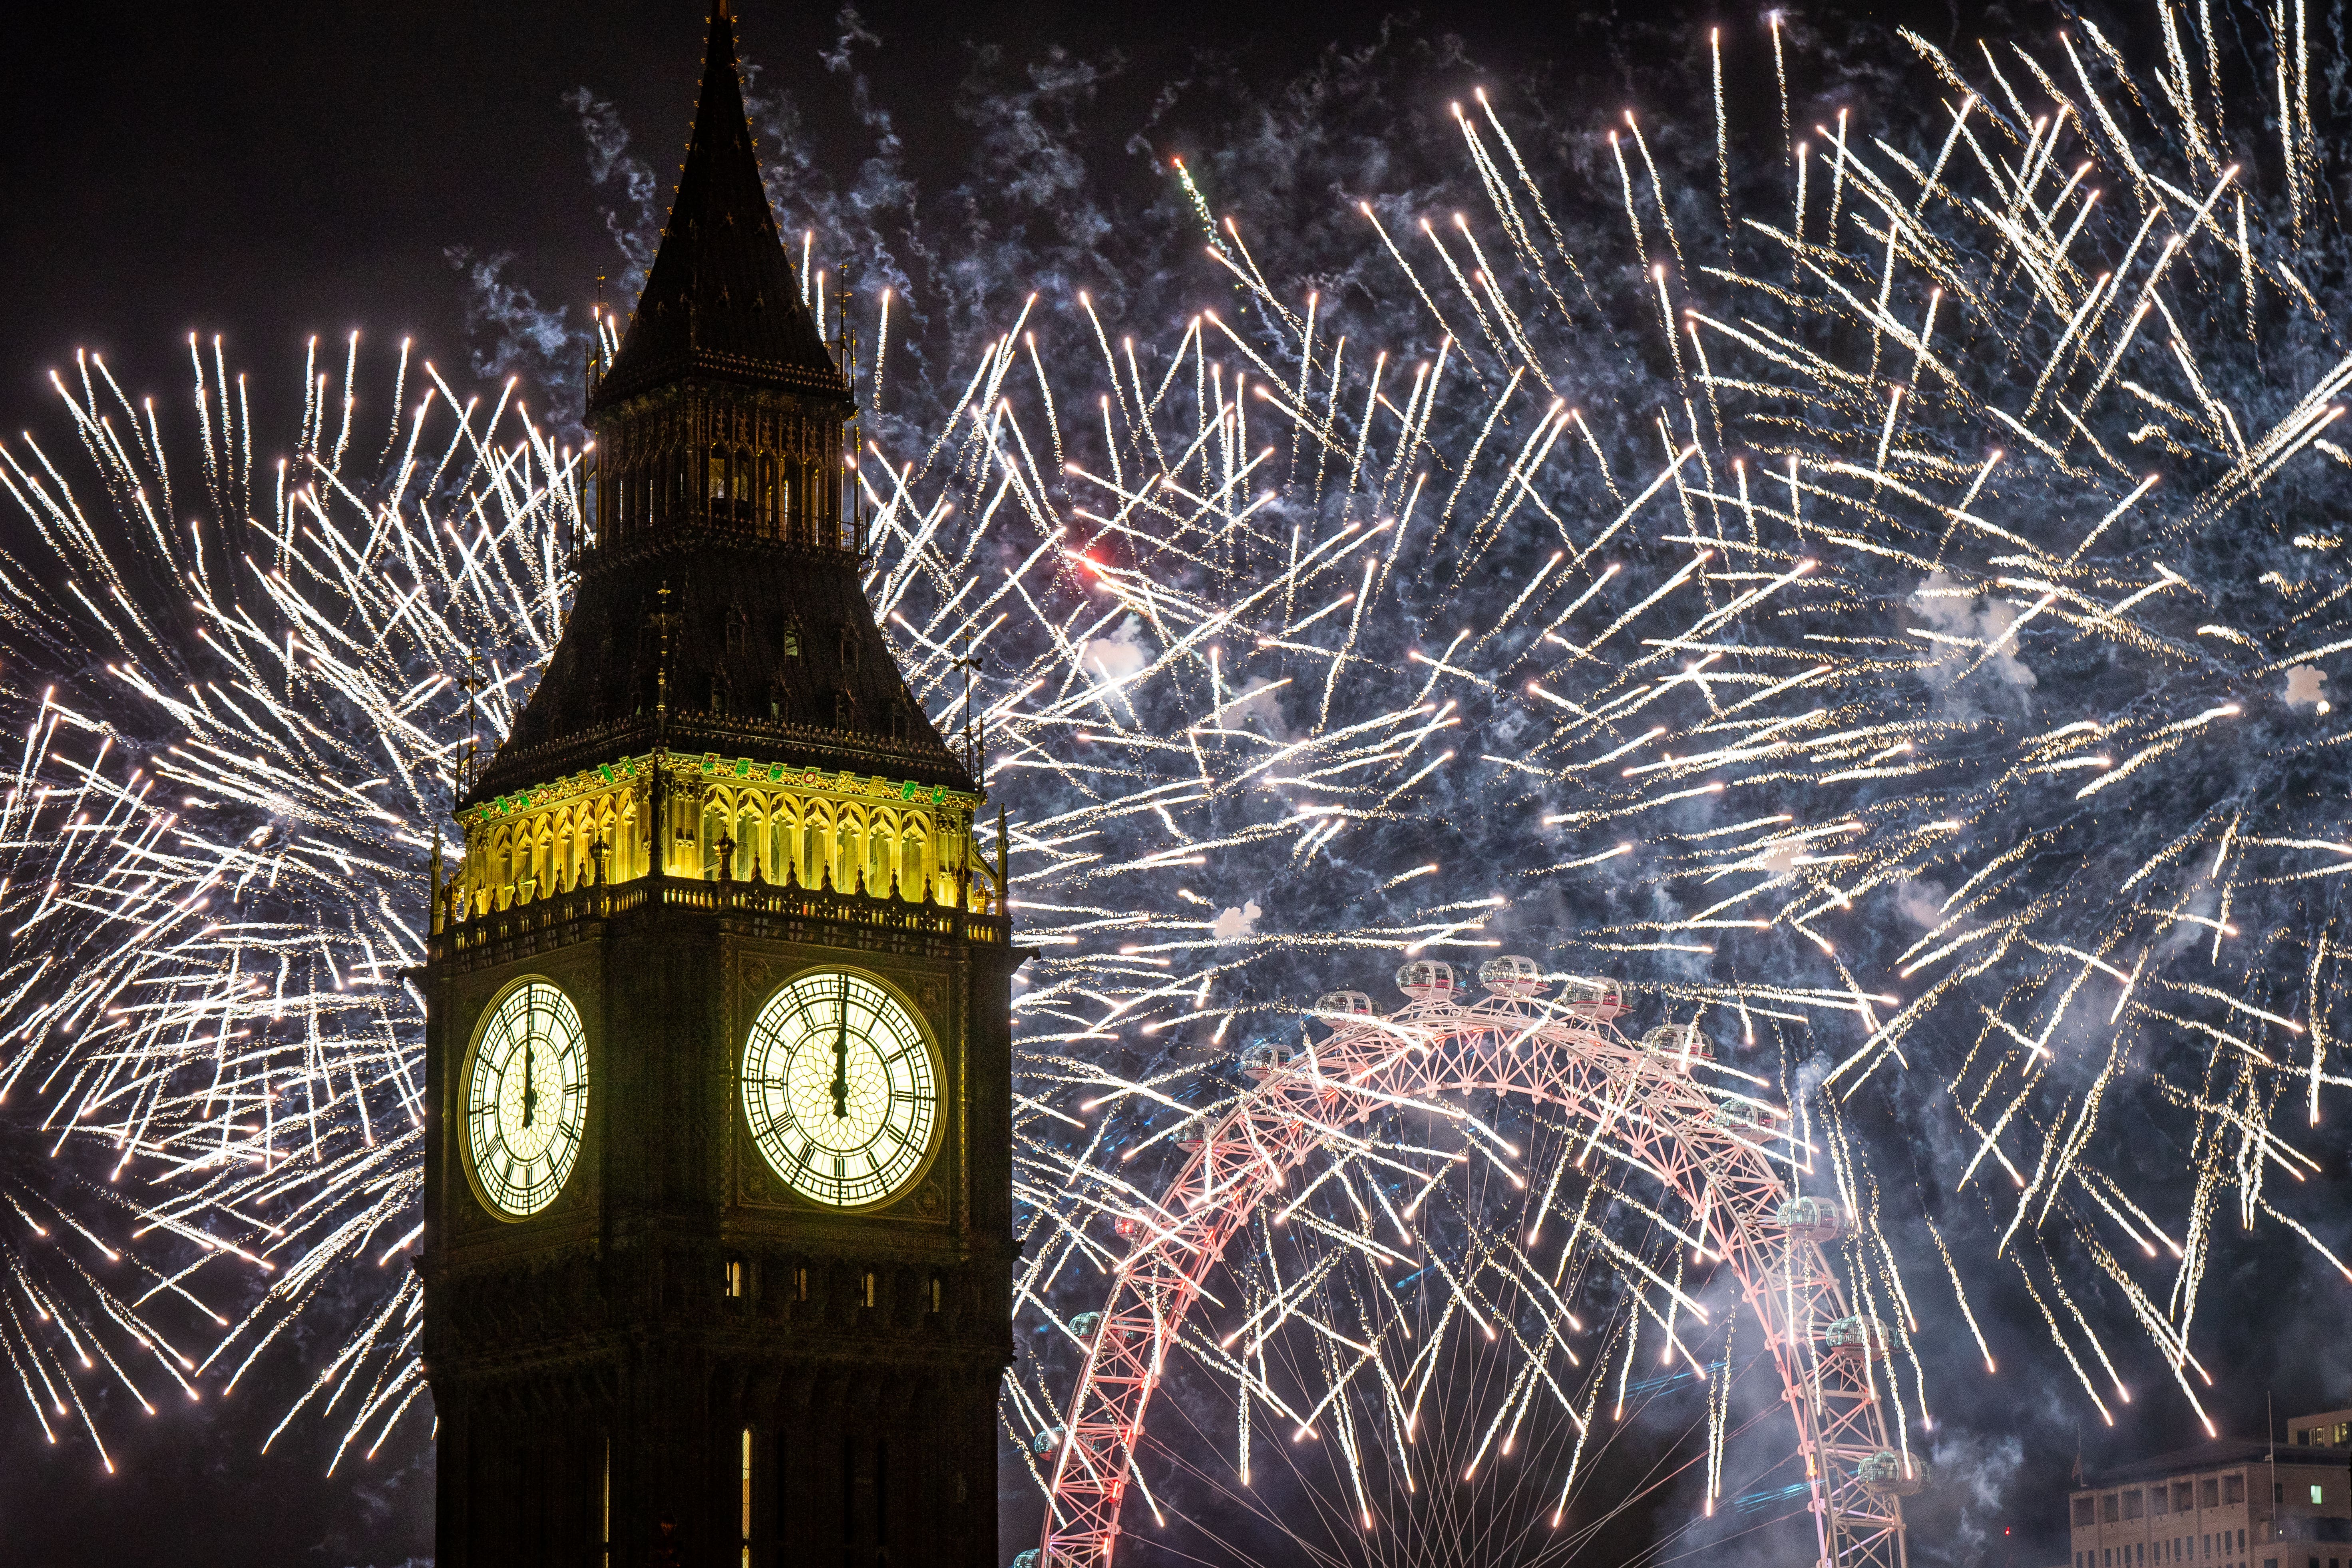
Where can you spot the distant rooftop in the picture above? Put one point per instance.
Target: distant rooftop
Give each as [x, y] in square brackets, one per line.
[2220, 1454]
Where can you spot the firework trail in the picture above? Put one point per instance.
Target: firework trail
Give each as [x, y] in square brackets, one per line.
[1910, 668]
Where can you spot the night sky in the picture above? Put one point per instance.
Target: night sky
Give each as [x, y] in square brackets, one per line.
[290, 171]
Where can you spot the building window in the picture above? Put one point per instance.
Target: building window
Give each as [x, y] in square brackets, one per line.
[2158, 1499]
[2233, 1488]
[2209, 1491]
[869, 1302]
[2343, 1430]
[735, 1275]
[2318, 1494]
[800, 1284]
[935, 1293]
[2303, 1440]
[2110, 1509]
[2086, 1511]
[2132, 1503]
[2180, 1503]
[746, 1496]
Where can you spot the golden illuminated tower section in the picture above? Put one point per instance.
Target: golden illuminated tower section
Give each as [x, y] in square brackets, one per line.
[719, 1164]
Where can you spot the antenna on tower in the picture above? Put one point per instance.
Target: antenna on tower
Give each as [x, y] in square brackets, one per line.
[973, 736]
[469, 754]
[844, 345]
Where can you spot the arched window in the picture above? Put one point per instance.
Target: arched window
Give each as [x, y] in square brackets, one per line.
[747, 841]
[914, 861]
[881, 853]
[849, 836]
[780, 842]
[714, 827]
[815, 836]
[746, 1498]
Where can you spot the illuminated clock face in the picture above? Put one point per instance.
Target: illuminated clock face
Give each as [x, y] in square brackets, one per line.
[840, 1089]
[526, 1099]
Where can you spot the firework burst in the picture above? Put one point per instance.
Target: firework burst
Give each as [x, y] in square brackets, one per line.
[1912, 672]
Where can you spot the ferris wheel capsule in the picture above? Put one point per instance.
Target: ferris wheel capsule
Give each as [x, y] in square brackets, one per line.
[1263, 1060]
[1859, 1335]
[1045, 1442]
[1426, 980]
[1585, 997]
[1086, 1323]
[1812, 1219]
[1331, 1004]
[1885, 1474]
[1681, 1041]
[1511, 975]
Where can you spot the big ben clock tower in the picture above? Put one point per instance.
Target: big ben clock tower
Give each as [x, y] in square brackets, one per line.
[717, 1174]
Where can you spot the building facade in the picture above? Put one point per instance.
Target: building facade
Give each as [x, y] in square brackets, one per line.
[717, 1174]
[2223, 1505]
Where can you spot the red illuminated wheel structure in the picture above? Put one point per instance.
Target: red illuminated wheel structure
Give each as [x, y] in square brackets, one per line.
[1725, 1155]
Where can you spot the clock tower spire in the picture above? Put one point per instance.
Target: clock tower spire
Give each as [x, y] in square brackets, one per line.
[717, 1200]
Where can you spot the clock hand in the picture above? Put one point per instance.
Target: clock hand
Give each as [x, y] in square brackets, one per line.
[530, 1087]
[841, 1056]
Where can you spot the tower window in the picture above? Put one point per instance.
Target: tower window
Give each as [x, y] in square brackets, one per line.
[849, 647]
[935, 1293]
[869, 1300]
[800, 1283]
[738, 628]
[746, 1497]
[738, 1277]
